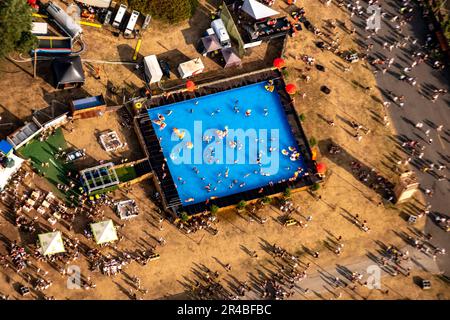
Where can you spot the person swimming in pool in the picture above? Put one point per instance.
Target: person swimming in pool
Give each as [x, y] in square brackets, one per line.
[236, 109]
[227, 171]
[248, 113]
[246, 175]
[266, 112]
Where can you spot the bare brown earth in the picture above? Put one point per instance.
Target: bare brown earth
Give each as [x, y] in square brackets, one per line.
[341, 193]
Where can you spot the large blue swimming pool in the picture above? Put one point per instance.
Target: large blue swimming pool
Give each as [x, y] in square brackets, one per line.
[215, 148]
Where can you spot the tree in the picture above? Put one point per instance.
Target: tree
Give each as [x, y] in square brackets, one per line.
[184, 216]
[302, 117]
[287, 193]
[171, 11]
[266, 200]
[214, 209]
[241, 205]
[315, 186]
[15, 27]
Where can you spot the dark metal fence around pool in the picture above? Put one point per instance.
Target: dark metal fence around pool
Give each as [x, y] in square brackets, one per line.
[150, 143]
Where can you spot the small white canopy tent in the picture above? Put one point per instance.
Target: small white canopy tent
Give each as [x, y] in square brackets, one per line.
[257, 10]
[104, 231]
[51, 243]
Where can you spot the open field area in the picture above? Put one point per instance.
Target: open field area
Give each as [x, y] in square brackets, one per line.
[343, 231]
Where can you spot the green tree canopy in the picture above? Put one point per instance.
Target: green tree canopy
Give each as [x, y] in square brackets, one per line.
[171, 11]
[15, 27]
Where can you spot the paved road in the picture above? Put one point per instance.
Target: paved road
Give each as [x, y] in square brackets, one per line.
[417, 107]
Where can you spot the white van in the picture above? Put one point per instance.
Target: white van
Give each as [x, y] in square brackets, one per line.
[221, 32]
[131, 23]
[119, 16]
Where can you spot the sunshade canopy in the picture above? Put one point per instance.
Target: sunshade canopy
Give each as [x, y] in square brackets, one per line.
[68, 70]
[211, 43]
[231, 58]
[51, 243]
[257, 10]
[104, 231]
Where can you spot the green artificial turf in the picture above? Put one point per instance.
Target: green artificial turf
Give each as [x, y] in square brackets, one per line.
[40, 152]
[126, 173]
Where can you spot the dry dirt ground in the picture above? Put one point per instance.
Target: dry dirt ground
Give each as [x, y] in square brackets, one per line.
[341, 193]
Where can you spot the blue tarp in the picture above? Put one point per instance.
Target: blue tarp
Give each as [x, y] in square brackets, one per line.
[89, 102]
[5, 147]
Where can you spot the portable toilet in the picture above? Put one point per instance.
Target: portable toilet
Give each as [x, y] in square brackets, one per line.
[131, 23]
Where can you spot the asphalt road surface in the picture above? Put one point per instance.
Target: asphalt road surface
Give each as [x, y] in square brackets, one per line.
[418, 106]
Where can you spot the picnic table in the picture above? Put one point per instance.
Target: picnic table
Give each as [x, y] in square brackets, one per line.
[290, 222]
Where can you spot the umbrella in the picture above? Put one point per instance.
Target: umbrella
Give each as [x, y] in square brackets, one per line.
[291, 88]
[279, 63]
[321, 168]
[190, 85]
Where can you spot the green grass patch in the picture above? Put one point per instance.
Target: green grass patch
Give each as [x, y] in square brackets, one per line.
[126, 173]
